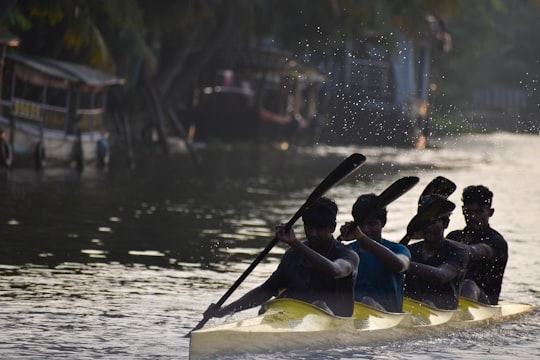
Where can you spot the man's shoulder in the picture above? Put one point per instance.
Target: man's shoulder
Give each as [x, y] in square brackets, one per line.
[495, 235]
[416, 245]
[455, 235]
[497, 242]
[345, 251]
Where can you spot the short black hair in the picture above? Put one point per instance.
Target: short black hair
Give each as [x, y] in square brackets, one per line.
[365, 203]
[477, 194]
[321, 213]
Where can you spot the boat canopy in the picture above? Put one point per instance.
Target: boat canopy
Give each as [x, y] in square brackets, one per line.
[47, 72]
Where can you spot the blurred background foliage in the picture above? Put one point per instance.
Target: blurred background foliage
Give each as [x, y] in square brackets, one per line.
[168, 44]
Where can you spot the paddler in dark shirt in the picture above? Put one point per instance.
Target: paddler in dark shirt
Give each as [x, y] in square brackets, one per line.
[319, 270]
[438, 265]
[488, 251]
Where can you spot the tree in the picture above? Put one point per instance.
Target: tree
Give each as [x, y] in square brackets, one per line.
[168, 44]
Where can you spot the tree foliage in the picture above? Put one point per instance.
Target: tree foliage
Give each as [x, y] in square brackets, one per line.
[167, 44]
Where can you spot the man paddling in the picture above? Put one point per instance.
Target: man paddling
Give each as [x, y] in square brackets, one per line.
[380, 278]
[319, 270]
[438, 265]
[488, 250]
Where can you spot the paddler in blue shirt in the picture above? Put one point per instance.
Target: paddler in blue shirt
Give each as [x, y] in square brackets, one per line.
[438, 265]
[380, 278]
[319, 270]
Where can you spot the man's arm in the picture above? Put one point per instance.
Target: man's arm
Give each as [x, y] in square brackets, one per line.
[395, 262]
[476, 252]
[336, 269]
[437, 275]
[480, 252]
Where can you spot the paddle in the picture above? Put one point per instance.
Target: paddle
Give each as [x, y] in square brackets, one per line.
[344, 169]
[391, 193]
[438, 186]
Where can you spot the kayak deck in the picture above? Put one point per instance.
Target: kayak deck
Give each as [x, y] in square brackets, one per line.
[285, 322]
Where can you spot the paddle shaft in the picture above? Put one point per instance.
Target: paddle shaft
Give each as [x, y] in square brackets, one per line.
[346, 167]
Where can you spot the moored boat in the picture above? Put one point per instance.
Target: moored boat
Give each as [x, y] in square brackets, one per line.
[289, 324]
[54, 112]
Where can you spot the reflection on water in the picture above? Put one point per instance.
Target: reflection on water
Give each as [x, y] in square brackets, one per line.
[121, 264]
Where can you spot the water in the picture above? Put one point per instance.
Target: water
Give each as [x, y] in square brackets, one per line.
[121, 264]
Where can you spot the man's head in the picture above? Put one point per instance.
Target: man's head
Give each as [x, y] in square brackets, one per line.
[320, 222]
[364, 206]
[432, 218]
[321, 213]
[477, 194]
[477, 202]
[372, 219]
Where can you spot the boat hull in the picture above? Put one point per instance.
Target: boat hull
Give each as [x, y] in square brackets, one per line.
[55, 148]
[290, 324]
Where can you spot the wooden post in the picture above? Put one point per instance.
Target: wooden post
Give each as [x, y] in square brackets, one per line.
[180, 128]
[160, 120]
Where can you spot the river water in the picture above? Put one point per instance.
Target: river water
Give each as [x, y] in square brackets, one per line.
[120, 264]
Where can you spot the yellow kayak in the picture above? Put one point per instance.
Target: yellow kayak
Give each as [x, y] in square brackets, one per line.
[289, 324]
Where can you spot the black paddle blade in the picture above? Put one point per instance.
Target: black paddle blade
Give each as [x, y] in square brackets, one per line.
[427, 214]
[347, 167]
[344, 169]
[391, 193]
[398, 188]
[439, 186]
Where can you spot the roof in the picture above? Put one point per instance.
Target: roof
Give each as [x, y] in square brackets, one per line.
[49, 72]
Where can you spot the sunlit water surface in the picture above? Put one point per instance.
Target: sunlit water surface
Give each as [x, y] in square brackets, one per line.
[121, 264]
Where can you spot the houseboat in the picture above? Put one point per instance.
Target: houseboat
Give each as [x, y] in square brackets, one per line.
[52, 112]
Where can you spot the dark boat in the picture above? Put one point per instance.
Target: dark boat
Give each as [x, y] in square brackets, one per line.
[256, 94]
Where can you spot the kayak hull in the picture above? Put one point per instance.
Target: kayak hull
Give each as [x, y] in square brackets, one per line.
[291, 324]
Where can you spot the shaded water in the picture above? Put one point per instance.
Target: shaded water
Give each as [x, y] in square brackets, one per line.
[121, 264]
